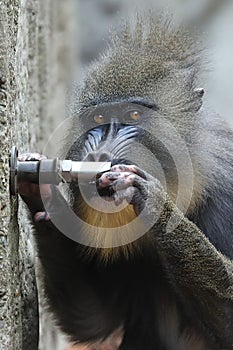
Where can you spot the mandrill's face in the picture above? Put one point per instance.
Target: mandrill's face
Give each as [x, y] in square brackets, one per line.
[108, 131]
[122, 133]
[116, 132]
[128, 133]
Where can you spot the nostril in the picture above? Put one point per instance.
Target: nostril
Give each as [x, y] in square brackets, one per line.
[98, 157]
[91, 157]
[104, 157]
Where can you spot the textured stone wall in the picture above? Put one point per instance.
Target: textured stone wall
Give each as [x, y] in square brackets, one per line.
[36, 56]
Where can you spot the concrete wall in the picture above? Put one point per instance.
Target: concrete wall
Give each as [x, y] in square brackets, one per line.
[36, 56]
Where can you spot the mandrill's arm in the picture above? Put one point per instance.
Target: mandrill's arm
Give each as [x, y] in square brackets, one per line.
[57, 254]
[200, 273]
[198, 265]
[201, 276]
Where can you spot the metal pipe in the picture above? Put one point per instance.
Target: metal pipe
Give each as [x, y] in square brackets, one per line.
[51, 171]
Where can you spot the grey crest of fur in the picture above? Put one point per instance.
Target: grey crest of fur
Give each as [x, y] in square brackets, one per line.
[147, 59]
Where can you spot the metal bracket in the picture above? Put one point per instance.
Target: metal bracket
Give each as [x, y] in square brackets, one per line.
[51, 171]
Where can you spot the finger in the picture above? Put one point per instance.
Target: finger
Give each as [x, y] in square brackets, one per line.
[123, 182]
[107, 178]
[45, 192]
[126, 194]
[128, 181]
[41, 216]
[130, 168]
[133, 196]
[23, 157]
[138, 201]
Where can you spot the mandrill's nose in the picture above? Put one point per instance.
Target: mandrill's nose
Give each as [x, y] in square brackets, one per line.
[98, 156]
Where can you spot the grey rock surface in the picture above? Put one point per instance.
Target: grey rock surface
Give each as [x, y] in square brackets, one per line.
[36, 58]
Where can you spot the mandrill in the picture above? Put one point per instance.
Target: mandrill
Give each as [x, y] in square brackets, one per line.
[151, 266]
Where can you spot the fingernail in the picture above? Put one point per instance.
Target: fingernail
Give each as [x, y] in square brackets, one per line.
[40, 217]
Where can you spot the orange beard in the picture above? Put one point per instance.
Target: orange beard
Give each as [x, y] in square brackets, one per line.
[109, 227]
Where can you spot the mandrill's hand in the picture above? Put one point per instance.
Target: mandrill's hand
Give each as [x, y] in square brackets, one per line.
[33, 194]
[130, 183]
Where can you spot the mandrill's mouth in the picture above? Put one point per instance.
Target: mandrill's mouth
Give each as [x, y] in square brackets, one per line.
[108, 192]
[105, 192]
[96, 204]
[92, 188]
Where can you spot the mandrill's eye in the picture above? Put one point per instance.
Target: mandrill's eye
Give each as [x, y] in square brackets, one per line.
[132, 117]
[99, 118]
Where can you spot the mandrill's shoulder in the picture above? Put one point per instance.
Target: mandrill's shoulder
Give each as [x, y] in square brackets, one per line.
[214, 214]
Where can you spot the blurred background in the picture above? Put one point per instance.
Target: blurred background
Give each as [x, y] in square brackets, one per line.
[212, 17]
